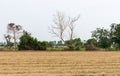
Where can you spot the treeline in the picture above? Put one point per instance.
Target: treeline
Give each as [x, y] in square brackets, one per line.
[101, 39]
[108, 39]
[64, 29]
[27, 42]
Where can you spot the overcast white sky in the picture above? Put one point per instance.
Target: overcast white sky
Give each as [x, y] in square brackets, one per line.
[36, 15]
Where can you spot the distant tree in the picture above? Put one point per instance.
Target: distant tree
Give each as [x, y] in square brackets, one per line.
[27, 42]
[24, 43]
[91, 44]
[76, 44]
[15, 30]
[102, 36]
[8, 40]
[63, 24]
[51, 44]
[71, 25]
[59, 43]
[92, 41]
[71, 29]
[42, 45]
[115, 34]
[60, 26]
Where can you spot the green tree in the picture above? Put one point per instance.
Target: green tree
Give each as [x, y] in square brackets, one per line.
[27, 42]
[51, 43]
[102, 36]
[75, 44]
[92, 41]
[91, 44]
[115, 34]
[78, 44]
[59, 43]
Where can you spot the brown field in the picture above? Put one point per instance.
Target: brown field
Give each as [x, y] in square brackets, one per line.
[59, 63]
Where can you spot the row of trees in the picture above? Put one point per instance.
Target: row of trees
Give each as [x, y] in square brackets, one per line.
[27, 42]
[63, 29]
[63, 26]
[17, 38]
[106, 38]
[101, 38]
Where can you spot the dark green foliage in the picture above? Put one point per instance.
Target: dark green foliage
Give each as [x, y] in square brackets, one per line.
[91, 44]
[27, 42]
[59, 43]
[104, 42]
[90, 47]
[51, 43]
[103, 37]
[42, 45]
[115, 34]
[75, 44]
[92, 41]
[70, 45]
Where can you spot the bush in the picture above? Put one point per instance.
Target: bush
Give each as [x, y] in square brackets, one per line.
[27, 42]
[113, 48]
[90, 47]
[74, 44]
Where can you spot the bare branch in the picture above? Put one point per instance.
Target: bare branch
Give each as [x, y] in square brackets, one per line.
[71, 25]
[60, 26]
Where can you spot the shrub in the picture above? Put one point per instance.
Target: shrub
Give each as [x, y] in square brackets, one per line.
[27, 42]
[90, 47]
[75, 44]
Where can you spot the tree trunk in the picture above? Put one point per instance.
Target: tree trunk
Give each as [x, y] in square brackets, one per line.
[15, 45]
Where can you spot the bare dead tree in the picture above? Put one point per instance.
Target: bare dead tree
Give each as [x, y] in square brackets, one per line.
[15, 30]
[71, 26]
[59, 26]
[63, 23]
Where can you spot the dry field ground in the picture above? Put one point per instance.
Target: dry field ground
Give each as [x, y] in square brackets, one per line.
[59, 63]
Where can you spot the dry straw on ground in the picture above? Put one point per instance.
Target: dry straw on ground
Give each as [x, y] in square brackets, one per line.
[59, 63]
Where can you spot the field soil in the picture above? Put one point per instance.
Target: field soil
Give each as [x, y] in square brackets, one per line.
[59, 63]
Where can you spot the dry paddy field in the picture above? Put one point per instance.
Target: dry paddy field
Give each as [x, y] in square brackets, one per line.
[59, 63]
